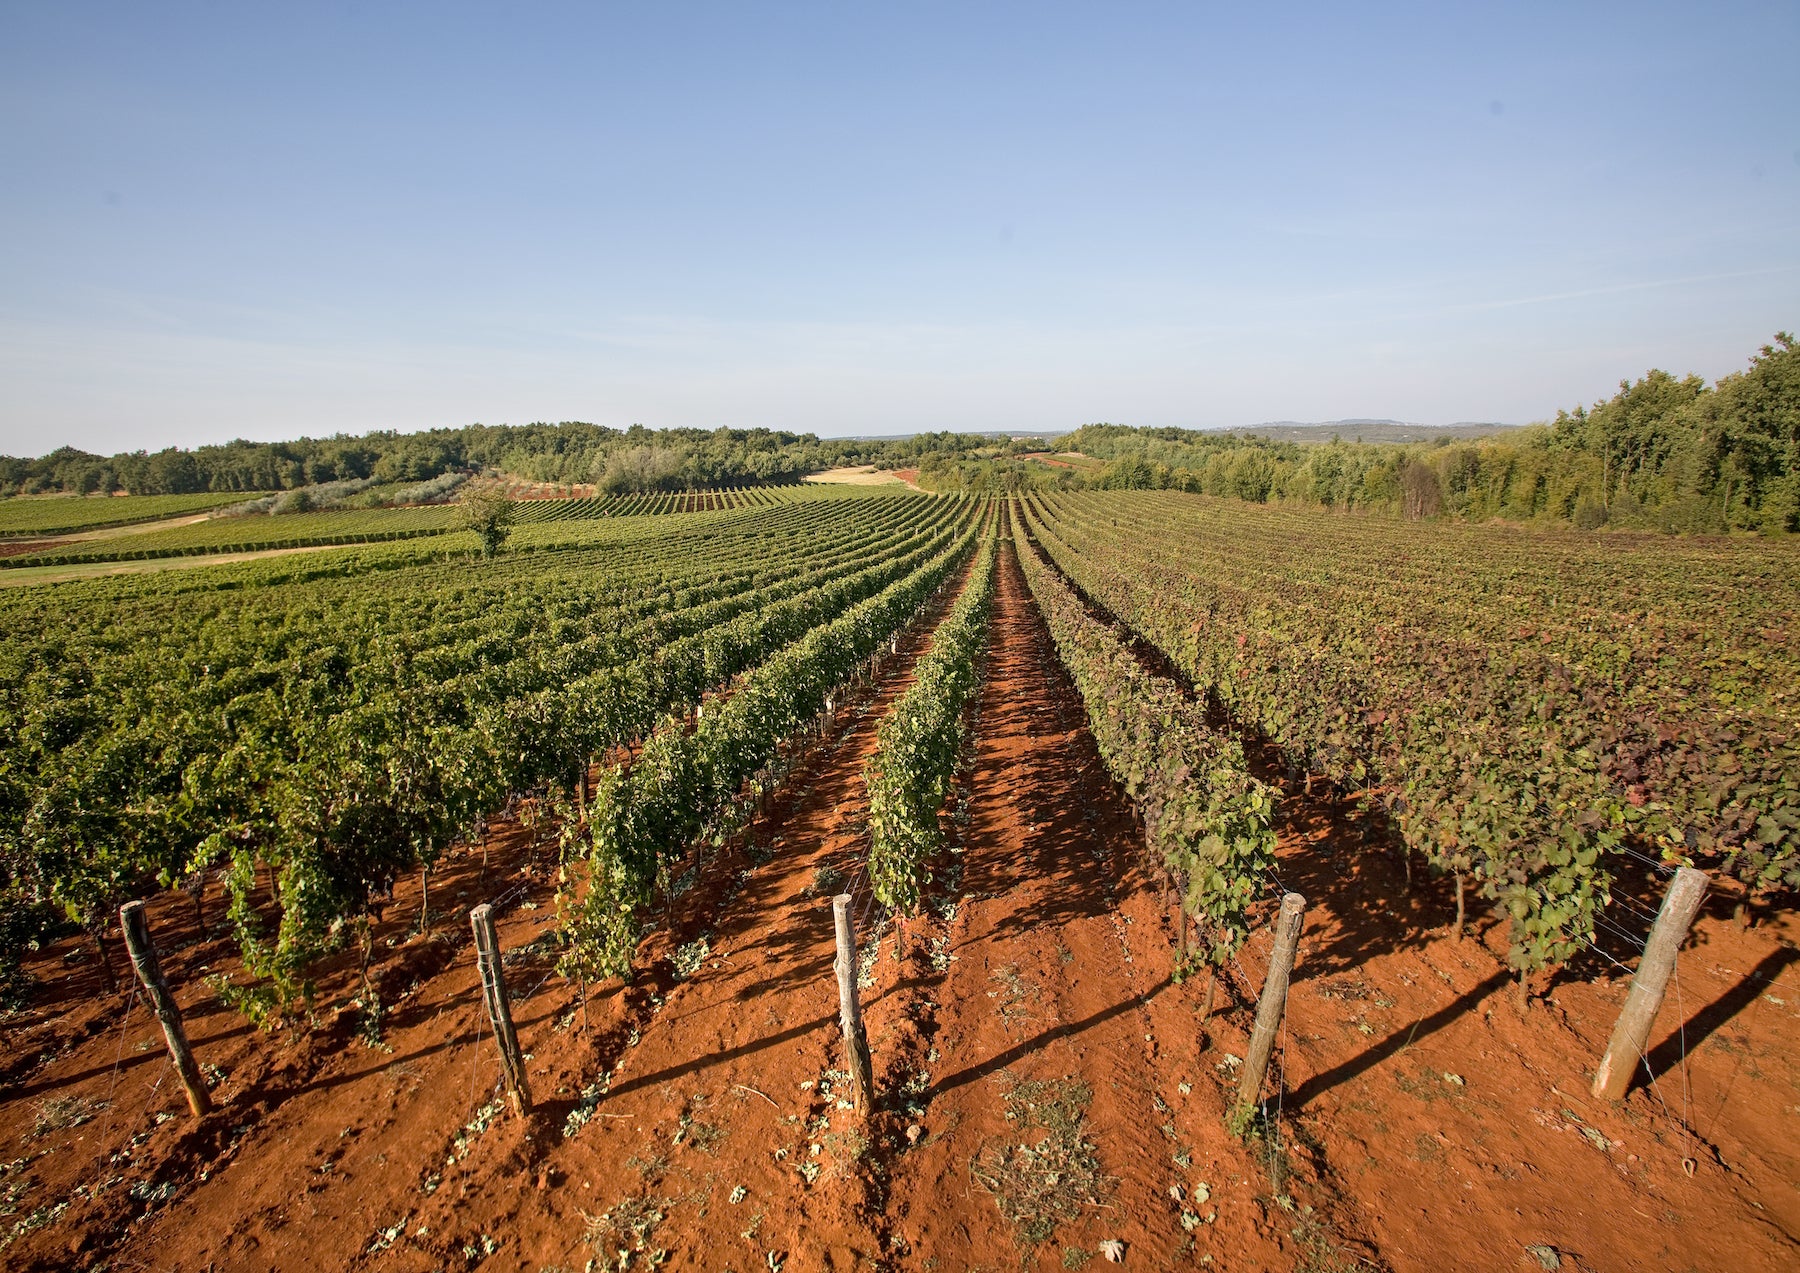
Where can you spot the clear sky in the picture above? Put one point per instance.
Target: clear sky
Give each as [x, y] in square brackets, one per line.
[263, 220]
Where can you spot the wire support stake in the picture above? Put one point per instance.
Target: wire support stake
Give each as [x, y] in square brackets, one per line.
[1632, 1031]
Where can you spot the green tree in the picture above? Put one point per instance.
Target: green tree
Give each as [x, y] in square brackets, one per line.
[490, 514]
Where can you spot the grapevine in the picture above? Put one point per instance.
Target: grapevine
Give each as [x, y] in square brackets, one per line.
[1524, 711]
[908, 775]
[683, 781]
[1205, 814]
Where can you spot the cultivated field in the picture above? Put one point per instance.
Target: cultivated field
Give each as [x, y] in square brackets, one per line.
[63, 514]
[856, 475]
[1060, 759]
[202, 536]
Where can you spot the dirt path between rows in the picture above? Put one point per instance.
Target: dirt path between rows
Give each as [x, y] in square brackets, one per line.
[1069, 1105]
[720, 1139]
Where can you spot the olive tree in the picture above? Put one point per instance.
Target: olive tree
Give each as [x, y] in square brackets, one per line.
[490, 514]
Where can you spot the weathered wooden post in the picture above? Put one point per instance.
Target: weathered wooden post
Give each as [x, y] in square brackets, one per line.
[856, 1045]
[143, 958]
[1274, 998]
[499, 1008]
[1632, 1031]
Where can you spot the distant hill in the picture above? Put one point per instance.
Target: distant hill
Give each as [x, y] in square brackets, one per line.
[1374, 431]
[1352, 430]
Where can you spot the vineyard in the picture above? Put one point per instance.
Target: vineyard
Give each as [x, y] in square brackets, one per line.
[65, 516]
[891, 880]
[654, 503]
[1529, 714]
[361, 526]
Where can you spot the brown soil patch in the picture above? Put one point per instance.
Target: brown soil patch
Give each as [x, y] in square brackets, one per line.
[860, 475]
[1062, 460]
[521, 488]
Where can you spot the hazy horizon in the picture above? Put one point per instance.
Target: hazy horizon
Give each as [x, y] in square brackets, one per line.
[1345, 423]
[268, 223]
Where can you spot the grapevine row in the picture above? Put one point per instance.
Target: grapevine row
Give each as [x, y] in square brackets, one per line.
[463, 745]
[1525, 757]
[660, 503]
[340, 732]
[64, 516]
[372, 526]
[1207, 817]
[645, 813]
[916, 748]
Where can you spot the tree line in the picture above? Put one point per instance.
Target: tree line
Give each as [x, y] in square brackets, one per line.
[1664, 453]
[1661, 454]
[619, 461]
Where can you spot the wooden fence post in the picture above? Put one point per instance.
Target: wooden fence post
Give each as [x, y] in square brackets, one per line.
[1274, 998]
[499, 1008]
[1632, 1031]
[856, 1045]
[143, 958]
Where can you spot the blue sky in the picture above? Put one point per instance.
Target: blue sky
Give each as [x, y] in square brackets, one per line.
[222, 220]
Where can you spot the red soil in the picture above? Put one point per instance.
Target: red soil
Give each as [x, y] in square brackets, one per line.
[525, 489]
[1426, 1121]
[1446, 1110]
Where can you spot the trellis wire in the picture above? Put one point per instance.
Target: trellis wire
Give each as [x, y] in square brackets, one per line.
[118, 1059]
